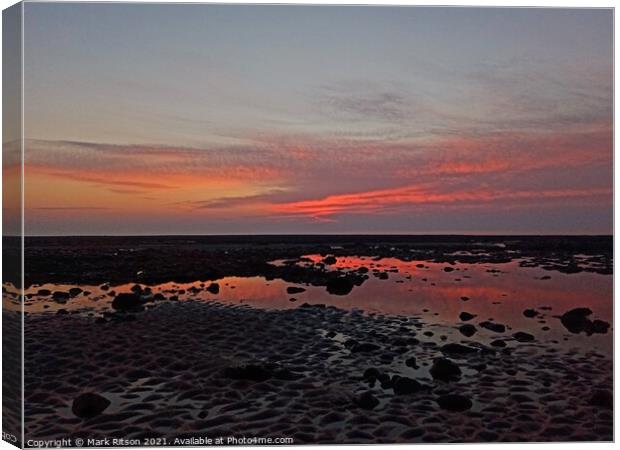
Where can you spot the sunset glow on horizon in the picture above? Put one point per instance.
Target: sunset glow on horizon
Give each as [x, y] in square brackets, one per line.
[297, 119]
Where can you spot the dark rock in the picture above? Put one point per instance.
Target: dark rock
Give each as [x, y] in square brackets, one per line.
[411, 362]
[530, 313]
[577, 321]
[498, 343]
[599, 326]
[127, 302]
[454, 402]
[465, 316]
[159, 296]
[136, 289]
[339, 286]
[44, 292]
[329, 260]
[89, 405]
[366, 400]
[60, 296]
[294, 290]
[444, 369]
[62, 311]
[495, 327]
[465, 299]
[521, 336]
[213, 288]
[292, 299]
[467, 330]
[405, 385]
[448, 269]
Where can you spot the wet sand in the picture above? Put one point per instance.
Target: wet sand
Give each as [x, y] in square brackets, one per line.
[191, 360]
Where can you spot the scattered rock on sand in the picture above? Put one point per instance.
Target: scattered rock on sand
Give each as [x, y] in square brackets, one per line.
[454, 402]
[467, 330]
[411, 362]
[446, 370]
[89, 405]
[405, 385]
[366, 400]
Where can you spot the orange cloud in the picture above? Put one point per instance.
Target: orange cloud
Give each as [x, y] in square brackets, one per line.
[383, 200]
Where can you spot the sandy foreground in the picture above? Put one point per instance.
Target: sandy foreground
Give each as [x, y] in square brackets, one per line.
[180, 365]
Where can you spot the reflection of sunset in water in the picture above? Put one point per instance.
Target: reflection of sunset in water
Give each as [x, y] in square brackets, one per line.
[500, 292]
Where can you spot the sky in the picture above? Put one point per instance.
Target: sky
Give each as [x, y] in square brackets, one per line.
[237, 119]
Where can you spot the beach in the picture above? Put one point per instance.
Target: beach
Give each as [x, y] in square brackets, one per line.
[328, 340]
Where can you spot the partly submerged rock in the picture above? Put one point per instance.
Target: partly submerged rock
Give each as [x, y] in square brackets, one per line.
[75, 291]
[213, 288]
[577, 321]
[339, 286]
[465, 316]
[127, 302]
[294, 290]
[329, 260]
[521, 336]
[467, 330]
[492, 326]
[61, 296]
